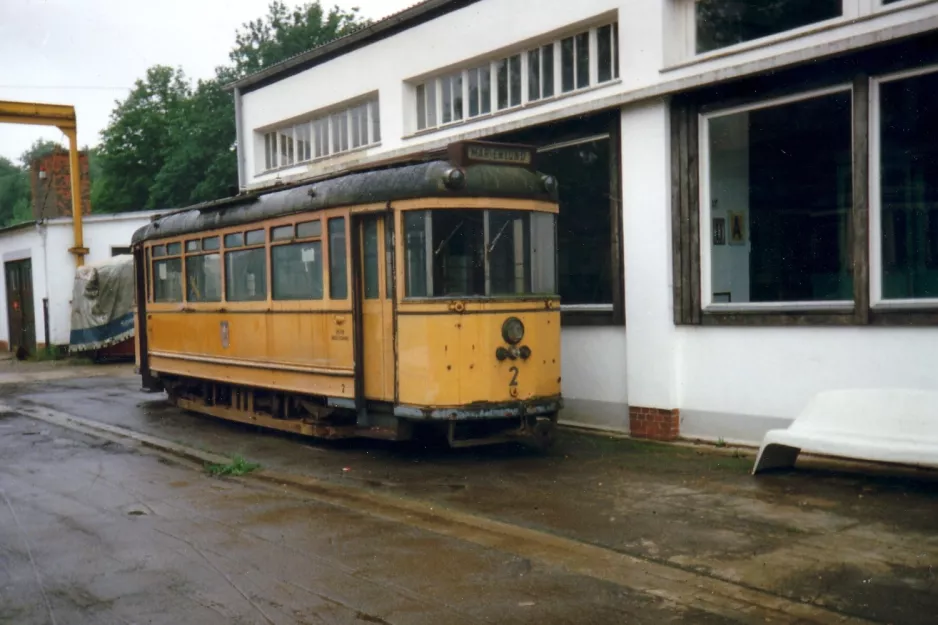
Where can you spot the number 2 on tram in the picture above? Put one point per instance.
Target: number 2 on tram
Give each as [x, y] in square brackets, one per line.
[370, 304]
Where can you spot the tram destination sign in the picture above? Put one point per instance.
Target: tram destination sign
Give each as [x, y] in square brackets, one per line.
[475, 152]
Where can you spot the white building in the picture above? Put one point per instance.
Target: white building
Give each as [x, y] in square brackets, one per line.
[39, 272]
[749, 190]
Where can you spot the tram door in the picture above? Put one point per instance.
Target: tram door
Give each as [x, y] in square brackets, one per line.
[377, 284]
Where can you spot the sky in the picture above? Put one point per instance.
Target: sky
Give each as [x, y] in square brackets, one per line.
[88, 53]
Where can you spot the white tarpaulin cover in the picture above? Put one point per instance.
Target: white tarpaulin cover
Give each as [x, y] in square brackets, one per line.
[102, 304]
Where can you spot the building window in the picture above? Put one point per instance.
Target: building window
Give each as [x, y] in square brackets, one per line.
[722, 23]
[270, 150]
[348, 129]
[607, 52]
[451, 98]
[541, 73]
[776, 202]
[508, 82]
[480, 91]
[584, 60]
[338, 262]
[906, 169]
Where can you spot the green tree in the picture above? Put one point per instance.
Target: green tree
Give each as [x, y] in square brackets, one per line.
[169, 144]
[14, 193]
[136, 143]
[284, 33]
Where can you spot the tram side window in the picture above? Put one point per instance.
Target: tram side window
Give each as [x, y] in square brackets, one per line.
[416, 227]
[167, 280]
[203, 278]
[338, 262]
[509, 249]
[246, 275]
[297, 271]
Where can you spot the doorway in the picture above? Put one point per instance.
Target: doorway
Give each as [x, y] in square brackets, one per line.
[20, 314]
[376, 234]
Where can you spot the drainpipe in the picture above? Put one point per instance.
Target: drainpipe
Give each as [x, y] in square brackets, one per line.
[239, 138]
[46, 322]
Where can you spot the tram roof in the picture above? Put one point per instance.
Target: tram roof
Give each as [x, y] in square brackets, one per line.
[414, 181]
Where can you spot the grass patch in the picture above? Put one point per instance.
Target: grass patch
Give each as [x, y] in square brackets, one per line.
[721, 443]
[237, 467]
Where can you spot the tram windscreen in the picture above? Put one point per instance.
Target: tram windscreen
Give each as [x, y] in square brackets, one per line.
[479, 253]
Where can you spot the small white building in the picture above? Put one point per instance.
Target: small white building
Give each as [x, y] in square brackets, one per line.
[749, 190]
[39, 272]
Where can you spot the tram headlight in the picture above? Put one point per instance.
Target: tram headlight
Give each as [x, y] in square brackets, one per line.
[513, 330]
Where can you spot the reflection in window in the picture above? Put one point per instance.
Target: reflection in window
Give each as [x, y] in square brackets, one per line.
[909, 180]
[246, 275]
[338, 272]
[203, 278]
[167, 280]
[370, 244]
[781, 181]
[514, 256]
[584, 232]
[722, 23]
[297, 271]
[416, 234]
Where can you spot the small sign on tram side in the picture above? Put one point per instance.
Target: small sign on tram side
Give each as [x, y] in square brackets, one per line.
[465, 153]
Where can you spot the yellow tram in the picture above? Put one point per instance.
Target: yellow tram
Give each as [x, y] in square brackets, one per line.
[370, 304]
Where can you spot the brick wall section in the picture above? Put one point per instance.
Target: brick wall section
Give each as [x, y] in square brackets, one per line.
[654, 423]
[52, 196]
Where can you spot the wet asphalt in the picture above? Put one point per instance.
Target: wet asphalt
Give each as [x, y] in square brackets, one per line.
[858, 541]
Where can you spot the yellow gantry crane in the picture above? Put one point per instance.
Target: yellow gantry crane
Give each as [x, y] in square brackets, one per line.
[62, 117]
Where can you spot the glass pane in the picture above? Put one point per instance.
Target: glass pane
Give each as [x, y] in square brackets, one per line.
[167, 280]
[615, 50]
[473, 92]
[321, 130]
[375, 122]
[389, 257]
[210, 243]
[458, 253]
[421, 107]
[446, 92]
[722, 23]
[415, 254]
[547, 67]
[304, 146]
[174, 249]
[203, 278]
[543, 253]
[431, 104]
[270, 150]
[514, 65]
[159, 250]
[297, 271]
[340, 132]
[370, 248]
[509, 252]
[501, 90]
[193, 246]
[255, 237]
[234, 240]
[584, 236]
[309, 229]
[338, 272]
[534, 75]
[281, 233]
[246, 275]
[566, 65]
[780, 198]
[909, 178]
[357, 138]
[582, 60]
[457, 97]
[604, 51]
[485, 89]
[286, 147]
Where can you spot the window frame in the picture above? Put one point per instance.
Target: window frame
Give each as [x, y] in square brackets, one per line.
[426, 114]
[684, 48]
[294, 240]
[705, 219]
[877, 301]
[165, 256]
[185, 270]
[244, 247]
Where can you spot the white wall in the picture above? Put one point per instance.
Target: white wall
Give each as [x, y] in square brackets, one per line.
[53, 266]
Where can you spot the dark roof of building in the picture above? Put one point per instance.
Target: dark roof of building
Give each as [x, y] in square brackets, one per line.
[386, 185]
[402, 20]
